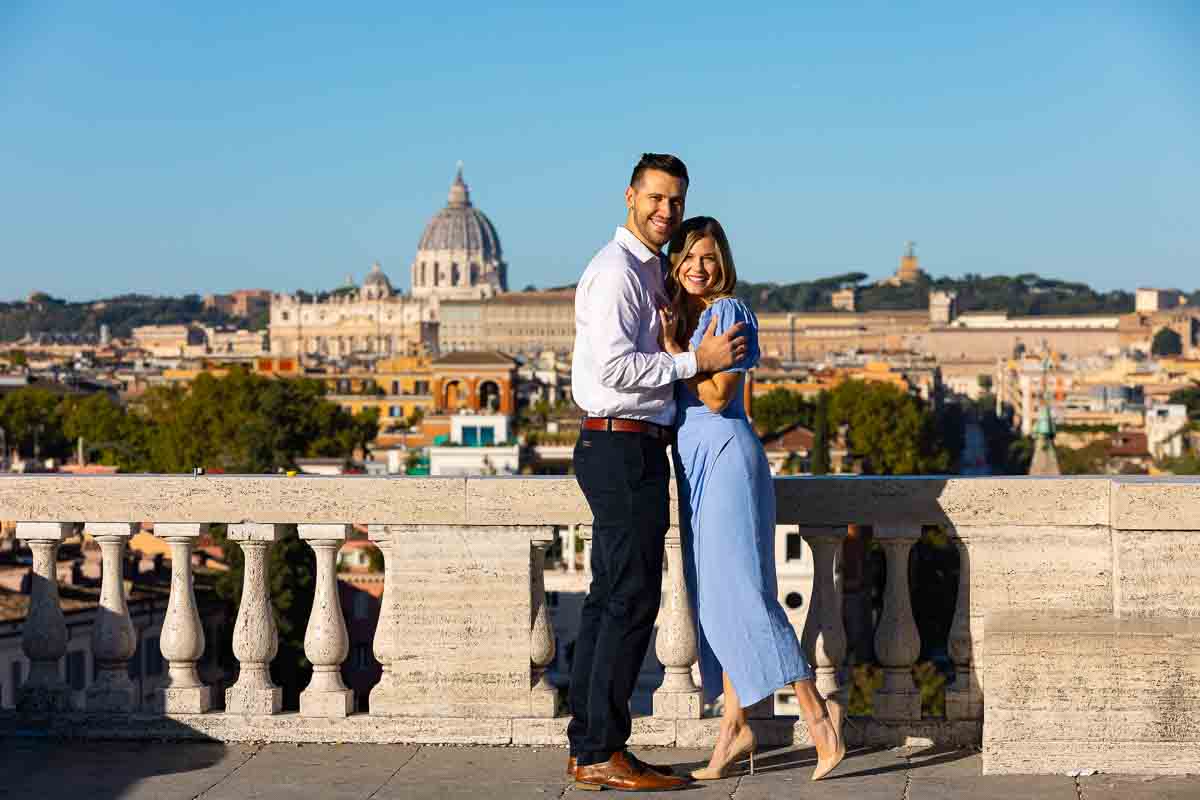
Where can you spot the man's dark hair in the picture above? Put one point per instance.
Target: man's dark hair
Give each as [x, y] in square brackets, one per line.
[663, 162]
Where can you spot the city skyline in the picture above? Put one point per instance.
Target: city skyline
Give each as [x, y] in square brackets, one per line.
[163, 153]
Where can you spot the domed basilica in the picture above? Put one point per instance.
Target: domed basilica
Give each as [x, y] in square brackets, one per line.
[458, 258]
[459, 254]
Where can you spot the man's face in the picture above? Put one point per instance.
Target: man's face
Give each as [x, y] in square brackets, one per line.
[656, 206]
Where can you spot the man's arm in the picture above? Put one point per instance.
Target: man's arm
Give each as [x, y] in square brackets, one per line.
[613, 325]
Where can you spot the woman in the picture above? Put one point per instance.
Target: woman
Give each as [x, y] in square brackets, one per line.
[748, 649]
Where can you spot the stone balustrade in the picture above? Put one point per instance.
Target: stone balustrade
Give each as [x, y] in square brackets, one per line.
[464, 634]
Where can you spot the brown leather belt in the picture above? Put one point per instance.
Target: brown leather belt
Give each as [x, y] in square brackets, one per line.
[618, 425]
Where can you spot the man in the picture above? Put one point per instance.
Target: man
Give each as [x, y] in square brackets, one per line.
[625, 385]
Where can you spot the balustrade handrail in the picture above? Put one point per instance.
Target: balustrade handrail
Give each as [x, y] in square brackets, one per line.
[1156, 503]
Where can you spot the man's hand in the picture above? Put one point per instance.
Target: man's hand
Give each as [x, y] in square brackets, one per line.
[719, 353]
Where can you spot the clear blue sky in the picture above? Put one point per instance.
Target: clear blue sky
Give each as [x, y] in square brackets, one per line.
[279, 145]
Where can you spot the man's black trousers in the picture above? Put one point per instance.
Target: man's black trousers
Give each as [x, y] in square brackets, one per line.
[625, 477]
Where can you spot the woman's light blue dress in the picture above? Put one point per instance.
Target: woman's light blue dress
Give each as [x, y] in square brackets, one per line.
[727, 526]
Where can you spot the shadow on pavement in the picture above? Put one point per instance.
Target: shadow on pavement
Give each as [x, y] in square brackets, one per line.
[49, 769]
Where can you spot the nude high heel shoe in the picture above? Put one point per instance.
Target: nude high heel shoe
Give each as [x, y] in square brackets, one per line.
[742, 746]
[834, 716]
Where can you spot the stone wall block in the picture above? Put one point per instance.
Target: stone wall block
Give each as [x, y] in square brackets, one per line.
[1091, 691]
[1157, 573]
[462, 604]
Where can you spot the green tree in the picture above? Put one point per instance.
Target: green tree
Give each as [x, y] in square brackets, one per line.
[32, 420]
[779, 409]
[250, 424]
[820, 454]
[1189, 397]
[1166, 343]
[1187, 464]
[889, 428]
[1091, 459]
[110, 434]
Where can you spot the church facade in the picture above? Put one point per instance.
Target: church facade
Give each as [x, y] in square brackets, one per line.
[458, 258]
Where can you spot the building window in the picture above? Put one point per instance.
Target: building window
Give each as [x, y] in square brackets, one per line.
[395, 387]
[77, 669]
[487, 436]
[283, 315]
[394, 411]
[470, 435]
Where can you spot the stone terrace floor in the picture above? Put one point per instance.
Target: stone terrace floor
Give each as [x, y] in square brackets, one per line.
[48, 770]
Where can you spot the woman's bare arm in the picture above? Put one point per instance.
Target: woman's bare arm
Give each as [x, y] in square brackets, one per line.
[716, 390]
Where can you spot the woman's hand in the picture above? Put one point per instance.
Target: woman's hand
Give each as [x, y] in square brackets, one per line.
[667, 330]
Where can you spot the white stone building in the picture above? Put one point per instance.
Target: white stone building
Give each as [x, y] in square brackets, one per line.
[1166, 429]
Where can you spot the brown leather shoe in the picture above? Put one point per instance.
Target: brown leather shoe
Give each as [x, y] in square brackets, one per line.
[624, 775]
[661, 769]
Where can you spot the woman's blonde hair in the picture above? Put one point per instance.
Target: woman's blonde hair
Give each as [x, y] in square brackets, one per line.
[691, 231]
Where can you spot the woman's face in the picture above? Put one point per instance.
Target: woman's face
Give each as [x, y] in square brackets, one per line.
[698, 271]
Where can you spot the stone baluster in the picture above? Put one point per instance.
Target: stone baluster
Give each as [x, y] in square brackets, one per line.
[44, 635]
[543, 698]
[255, 636]
[676, 644]
[114, 639]
[897, 642]
[326, 642]
[182, 638]
[964, 700]
[386, 696]
[824, 636]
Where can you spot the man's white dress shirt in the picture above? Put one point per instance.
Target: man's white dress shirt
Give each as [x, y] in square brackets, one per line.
[618, 369]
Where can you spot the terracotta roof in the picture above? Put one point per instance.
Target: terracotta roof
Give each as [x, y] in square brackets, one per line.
[790, 440]
[1128, 445]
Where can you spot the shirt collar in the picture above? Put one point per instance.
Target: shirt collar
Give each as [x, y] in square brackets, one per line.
[634, 245]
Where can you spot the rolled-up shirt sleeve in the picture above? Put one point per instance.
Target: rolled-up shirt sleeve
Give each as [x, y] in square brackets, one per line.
[612, 308]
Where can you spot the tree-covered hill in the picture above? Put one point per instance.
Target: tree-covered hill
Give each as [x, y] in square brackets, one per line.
[44, 314]
[1020, 295]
